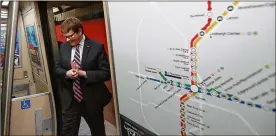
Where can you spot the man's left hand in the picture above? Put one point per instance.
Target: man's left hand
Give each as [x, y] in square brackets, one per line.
[82, 73]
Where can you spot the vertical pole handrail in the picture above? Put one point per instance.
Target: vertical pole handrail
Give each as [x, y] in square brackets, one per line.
[112, 66]
[0, 77]
[8, 69]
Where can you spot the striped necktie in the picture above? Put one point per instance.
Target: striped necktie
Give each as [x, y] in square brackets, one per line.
[76, 84]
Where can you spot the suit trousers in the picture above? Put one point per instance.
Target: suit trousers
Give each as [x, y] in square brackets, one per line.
[71, 120]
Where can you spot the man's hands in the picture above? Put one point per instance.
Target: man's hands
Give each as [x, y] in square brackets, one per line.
[82, 73]
[75, 72]
[72, 74]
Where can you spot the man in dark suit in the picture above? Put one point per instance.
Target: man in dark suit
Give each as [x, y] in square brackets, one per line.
[83, 68]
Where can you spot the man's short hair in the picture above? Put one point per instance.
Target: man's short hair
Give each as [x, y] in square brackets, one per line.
[71, 23]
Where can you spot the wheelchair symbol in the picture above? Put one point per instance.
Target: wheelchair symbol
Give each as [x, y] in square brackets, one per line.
[25, 104]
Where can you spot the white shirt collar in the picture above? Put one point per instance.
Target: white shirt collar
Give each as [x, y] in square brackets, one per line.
[80, 48]
[82, 40]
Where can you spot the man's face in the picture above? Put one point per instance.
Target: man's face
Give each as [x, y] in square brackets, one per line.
[73, 37]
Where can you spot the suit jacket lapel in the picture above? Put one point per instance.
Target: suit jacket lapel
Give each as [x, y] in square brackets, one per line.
[85, 51]
[68, 54]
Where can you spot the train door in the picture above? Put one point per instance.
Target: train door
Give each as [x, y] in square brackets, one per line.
[92, 16]
[27, 104]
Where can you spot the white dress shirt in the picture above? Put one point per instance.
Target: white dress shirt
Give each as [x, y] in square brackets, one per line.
[80, 48]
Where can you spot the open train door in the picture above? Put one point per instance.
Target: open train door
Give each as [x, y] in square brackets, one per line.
[27, 104]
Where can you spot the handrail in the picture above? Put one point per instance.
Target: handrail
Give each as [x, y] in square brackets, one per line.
[8, 69]
[112, 66]
[0, 77]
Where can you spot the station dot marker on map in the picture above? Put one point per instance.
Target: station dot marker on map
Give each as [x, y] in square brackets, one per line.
[230, 8]
[224, 96]
[236, 99]
[212, 74]
[194, 88]
[220, 18]
[194, 78]
[267, 66]
[203, 90]
[193, 53]
[266, 108]
[201, 33]
[189, 94]
[214, 93]
[209, 14]
[255, 33]
[193, 50]
[249, 104]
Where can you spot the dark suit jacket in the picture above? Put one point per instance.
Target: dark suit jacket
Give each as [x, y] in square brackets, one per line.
[95, 63]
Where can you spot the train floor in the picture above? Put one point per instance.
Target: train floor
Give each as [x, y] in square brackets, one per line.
[85, 131]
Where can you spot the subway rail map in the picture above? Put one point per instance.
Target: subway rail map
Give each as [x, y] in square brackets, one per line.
[195, 68]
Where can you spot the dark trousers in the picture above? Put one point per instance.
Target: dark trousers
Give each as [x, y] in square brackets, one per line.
[71, 120]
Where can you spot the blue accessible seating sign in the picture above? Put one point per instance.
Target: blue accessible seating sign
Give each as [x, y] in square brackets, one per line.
[25, 104]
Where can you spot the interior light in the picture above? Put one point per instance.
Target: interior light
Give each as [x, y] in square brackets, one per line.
[5, 12]
[4, 16]
[55, 9]
[5, 3]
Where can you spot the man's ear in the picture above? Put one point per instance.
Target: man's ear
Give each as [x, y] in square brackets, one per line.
[80, 31]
